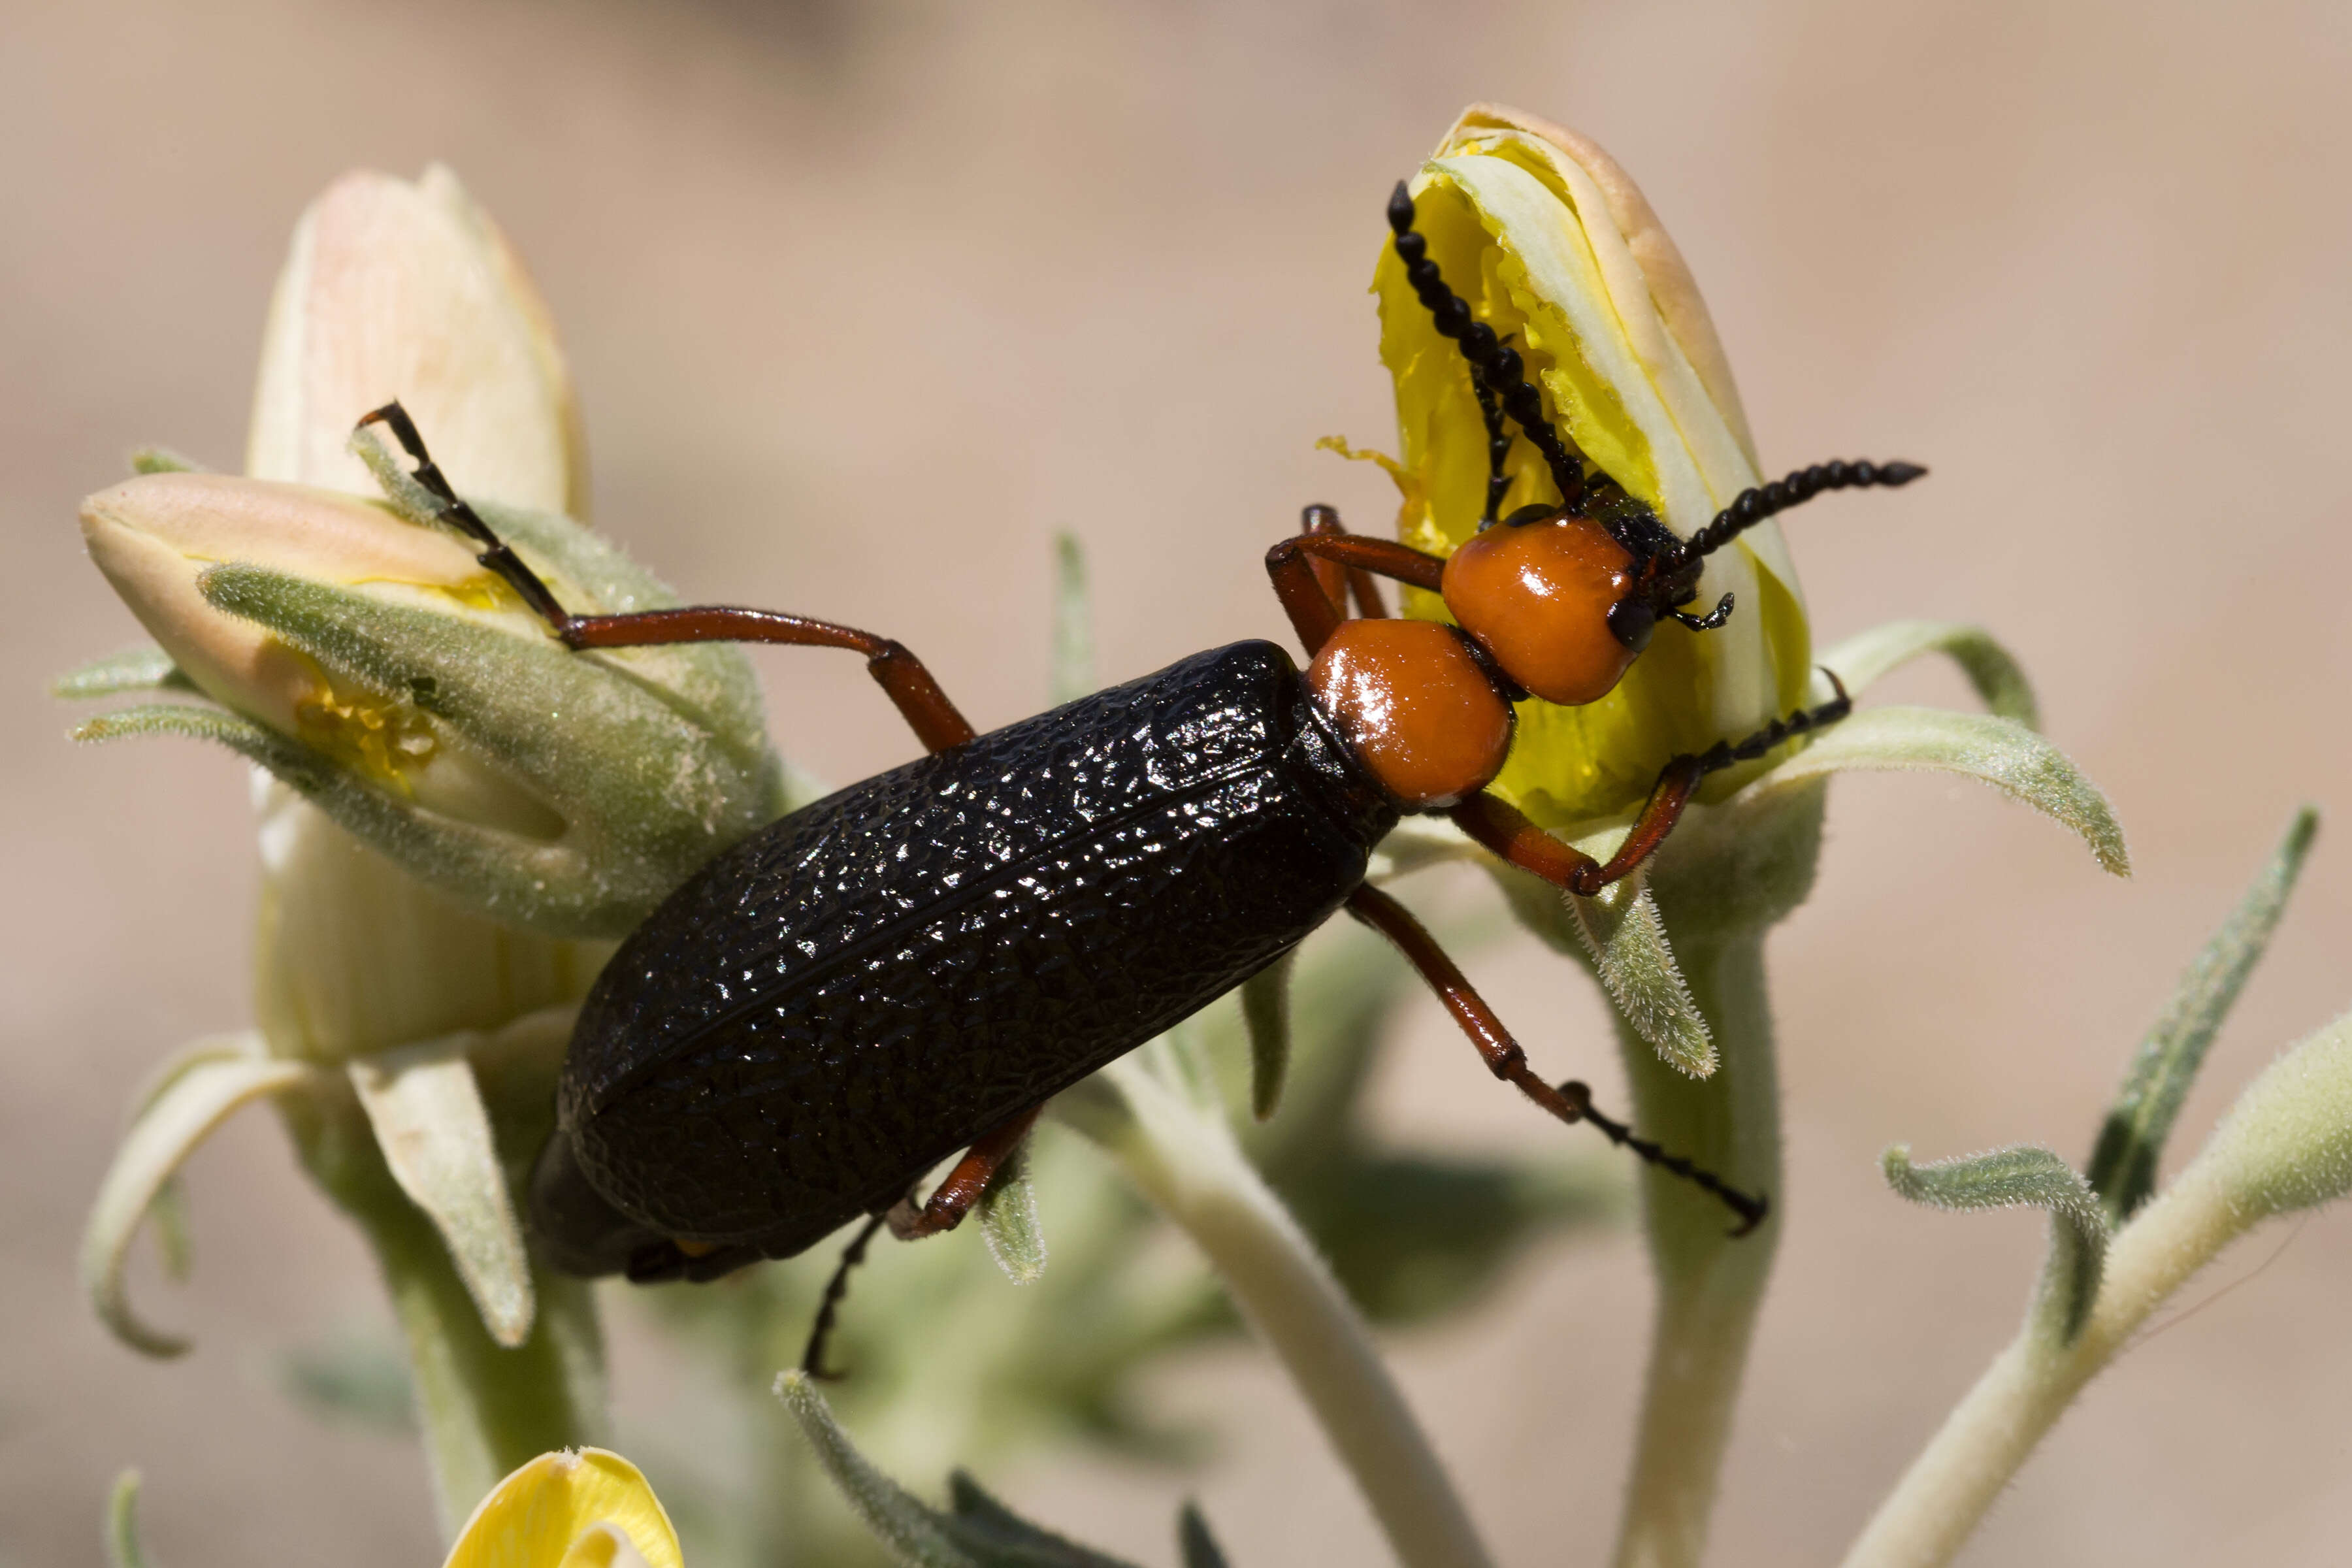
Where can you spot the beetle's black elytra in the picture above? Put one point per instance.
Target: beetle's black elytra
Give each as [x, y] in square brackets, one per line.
[841, 1001]
[914, 965]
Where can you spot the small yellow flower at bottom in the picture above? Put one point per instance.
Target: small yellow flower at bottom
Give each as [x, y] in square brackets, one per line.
[583, 1507]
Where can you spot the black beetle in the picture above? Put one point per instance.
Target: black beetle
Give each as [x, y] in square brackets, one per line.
[915, 965]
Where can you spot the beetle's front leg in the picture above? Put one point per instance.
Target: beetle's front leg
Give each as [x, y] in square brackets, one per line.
[1570, 1101]
[1305, 598]
[1504, 830]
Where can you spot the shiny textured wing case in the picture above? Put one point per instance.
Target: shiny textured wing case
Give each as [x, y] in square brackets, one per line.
[829, 1008]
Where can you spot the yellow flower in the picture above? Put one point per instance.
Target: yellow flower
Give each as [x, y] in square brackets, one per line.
[1555, 248]
[580, 1508]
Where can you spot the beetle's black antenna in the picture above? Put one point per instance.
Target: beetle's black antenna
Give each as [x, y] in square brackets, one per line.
[1493, 364]
[812, 1358]
[1752, 506]
[1498, 451]
[500, 557]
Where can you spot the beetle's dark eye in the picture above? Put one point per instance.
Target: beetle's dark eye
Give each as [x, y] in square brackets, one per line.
[1535, 511]
[1630, 622]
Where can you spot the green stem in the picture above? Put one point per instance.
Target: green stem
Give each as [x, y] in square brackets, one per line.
[1990, 1434]
[484, 1410]
[1710, 1283]
[1182, 1155]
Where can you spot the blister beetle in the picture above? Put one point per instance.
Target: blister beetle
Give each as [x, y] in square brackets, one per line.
[915, 965]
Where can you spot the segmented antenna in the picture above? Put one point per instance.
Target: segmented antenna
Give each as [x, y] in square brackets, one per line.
[1752, 506]
[1499, 452]
[1493, 364]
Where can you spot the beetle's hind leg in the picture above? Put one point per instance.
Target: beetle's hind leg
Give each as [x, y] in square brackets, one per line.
[1571, 1101]
[952, 1199]
[903, 680]
[836, 1288]
[949, 1203]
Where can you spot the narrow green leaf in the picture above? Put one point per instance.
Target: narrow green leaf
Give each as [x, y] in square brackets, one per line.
[1199, 1547]
[1074, 626]
[1265, 1014]
[1008, 1220]
[2123, 1165]
[132, 669]
[2002, 752]
[1000, 1538]
[915, 1535]
[1622, 933]
[162, 461]
[2023, 1176]
[123, 1547]
[980, 1533]
[407, 495]
[1864, 658]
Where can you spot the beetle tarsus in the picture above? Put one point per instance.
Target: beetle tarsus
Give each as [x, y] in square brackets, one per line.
[828, 1308]
[1752, 1210]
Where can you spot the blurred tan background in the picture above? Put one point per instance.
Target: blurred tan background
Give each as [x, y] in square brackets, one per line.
[865, 301]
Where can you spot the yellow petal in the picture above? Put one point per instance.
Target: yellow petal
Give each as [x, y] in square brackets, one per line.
[555, 1513]
[1556, 249]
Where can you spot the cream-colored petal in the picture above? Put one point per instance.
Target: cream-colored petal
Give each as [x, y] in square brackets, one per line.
[407, 291]
[434, 1131]
[1668, 277]
[207, 1083]
[540, 1515]
[154, 537]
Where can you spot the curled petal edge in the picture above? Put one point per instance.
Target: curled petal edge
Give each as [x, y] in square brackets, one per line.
[213, 1080]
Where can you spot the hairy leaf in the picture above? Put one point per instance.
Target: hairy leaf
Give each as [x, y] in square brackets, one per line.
[1265, 1014]
[162, 461]
[2123, 1166]
[2002, 752]
[2287, 1142]
[1008, 1220]
[123, 1547]
[1622, 933]
[1866, 657]
[980, 1533]
[429, 1120]
[2023, 1176]
[1074, 630]
[133, 669]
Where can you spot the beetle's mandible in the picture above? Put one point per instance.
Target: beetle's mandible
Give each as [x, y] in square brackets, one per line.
[915, 965]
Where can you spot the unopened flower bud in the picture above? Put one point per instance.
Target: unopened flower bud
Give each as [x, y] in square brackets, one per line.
[411, 696]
